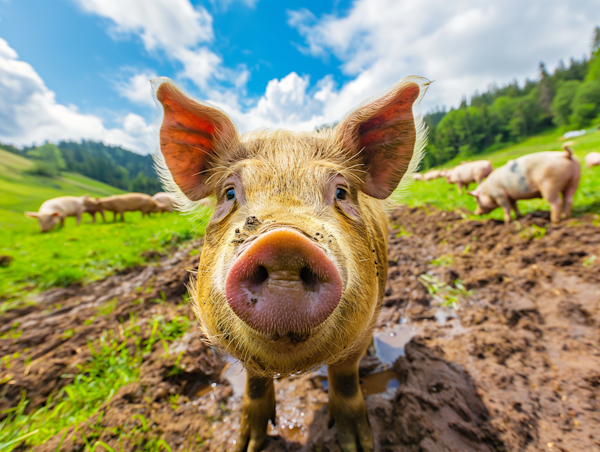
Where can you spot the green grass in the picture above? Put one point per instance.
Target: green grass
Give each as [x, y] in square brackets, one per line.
[72, 254]
[445, 196]
[114, 362]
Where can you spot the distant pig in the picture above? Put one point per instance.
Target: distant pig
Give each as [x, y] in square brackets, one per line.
[166, 200]
[130, 202]
[469, 172]
[294, 261]
[592, 159]
[92, 205]
[417, 176]
[55, 210]
[431, 174]
[541, 175]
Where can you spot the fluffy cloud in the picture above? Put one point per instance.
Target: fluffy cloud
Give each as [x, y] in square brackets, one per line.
[177, 28]
[137, 88]
[166, 24]
[464, 45]
[29, 112]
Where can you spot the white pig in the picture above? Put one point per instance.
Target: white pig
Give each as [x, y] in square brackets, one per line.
[540, 175]
[431, 174]
[55, 210]
[469, 172]
[592, 159]
[166, 200]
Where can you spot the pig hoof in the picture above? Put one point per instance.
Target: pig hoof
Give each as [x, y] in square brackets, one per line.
[251, 438]
[352, 430]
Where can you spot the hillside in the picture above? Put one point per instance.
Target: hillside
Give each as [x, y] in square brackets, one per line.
[112, 165]
[445, 196]
[73, 254]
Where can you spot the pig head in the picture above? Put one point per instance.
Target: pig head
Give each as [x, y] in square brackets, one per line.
[294, 263]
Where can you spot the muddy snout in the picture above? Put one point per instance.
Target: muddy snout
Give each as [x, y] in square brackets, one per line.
[283, 282]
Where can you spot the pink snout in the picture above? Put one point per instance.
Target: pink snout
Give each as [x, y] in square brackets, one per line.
[283, 282]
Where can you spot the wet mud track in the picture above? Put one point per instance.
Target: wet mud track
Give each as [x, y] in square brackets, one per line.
[515, 368]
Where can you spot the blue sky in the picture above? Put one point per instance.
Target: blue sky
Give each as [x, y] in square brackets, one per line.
[73, 69]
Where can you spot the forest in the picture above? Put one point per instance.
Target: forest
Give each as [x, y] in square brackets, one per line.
[112, 165]
[568, 98]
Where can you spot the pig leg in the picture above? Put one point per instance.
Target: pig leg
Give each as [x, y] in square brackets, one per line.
[506, 205]
[258, 407]
[78, 216]
[556, 202]
[62, 222]
[459, 185]
[347, 405]
[569, 192]
[101, 212]
[93, 214]
[513, 205]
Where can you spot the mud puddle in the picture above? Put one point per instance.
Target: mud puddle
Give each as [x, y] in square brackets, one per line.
[514, 368]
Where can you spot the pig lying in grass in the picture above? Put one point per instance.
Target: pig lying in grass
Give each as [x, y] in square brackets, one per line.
[130, 202]
[294, 263]
[417, 176]
[592, 159]
[542, 175]
[469, 172]
[92, 205]
[166, 200]
[55, 210]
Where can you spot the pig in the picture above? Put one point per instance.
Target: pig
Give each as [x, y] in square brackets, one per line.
[294, 261]
[592, 159]
[431, 174]
[540, 175]
[166, 200]
[130, 202]
[92, 205]
[468, 172]
[55, 210]
[417, 176]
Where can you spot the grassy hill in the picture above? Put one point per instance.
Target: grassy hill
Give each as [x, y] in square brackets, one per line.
[587, 199]
[72, 254]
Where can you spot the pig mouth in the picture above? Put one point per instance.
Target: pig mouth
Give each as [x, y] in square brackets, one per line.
[283, 285]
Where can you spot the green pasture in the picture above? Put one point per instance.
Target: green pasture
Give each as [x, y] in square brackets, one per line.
[72, 254]
[445, 196]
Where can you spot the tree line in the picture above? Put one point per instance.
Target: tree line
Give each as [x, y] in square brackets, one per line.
[568, 98]
[112, 165]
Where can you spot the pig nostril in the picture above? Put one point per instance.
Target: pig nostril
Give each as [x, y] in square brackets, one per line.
[309, 278]
[260, 275]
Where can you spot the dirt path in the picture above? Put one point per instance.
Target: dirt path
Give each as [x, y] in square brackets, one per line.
[515, 368]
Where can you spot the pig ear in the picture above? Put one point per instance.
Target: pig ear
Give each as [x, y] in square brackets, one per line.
[55, 214]
[383, 132]
[473, 193]
[191, 137]
[31, 214]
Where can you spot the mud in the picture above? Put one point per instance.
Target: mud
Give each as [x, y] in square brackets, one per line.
[516, 367]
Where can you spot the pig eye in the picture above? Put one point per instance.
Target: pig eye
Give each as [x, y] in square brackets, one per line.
[230, 194]
[340, 193]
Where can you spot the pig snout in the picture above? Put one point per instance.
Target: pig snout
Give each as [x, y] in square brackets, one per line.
[283, 282]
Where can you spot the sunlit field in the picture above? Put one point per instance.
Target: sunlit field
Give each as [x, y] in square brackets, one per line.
[445, 196]
[71, 254]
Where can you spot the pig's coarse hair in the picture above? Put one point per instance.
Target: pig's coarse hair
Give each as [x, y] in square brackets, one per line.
[266, 145]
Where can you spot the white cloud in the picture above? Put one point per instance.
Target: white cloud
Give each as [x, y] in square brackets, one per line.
[29, 112]
[166, 24]
[223, 5]
[463, 45]
[178, 29]
[137, 88]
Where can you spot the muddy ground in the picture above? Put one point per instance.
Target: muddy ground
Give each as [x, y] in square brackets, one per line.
[515, 368]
